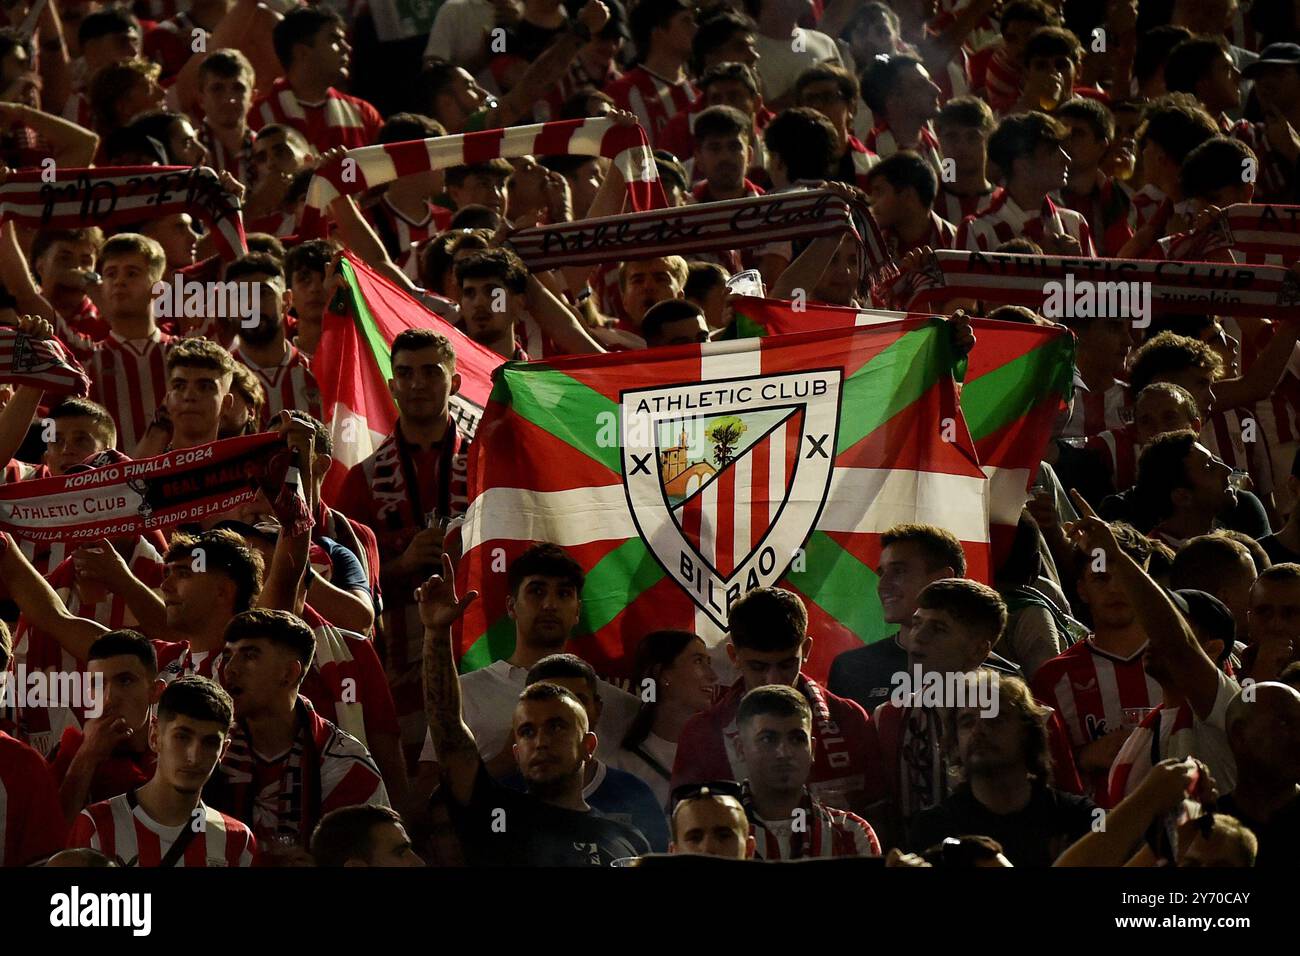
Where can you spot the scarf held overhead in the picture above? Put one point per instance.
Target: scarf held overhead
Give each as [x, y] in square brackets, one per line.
[1178, 287]
[1252, 232]
[132, 497]
[362, 169]
[120, 195]
[702, 227]
[41, 363]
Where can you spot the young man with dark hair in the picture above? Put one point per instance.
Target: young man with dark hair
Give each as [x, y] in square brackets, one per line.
[311, 44]
[775, 741]
[1102, 347]
[1182, 487]
[643, 283]
[1273, 615]
[304, 269]
[1171, 128]
[731, 84]
[1102, 200]
[616, 793]
[1098, 685]
[285, 766]
[164, 822]
[658, 87]
[403, 214]
[723, 151]
[963, 126]
[1202, 66]
[552, 824]
[902, 190]
[1276, 75]
[1028, 149]
[109, 754]
[1004, 759]
[711, 821]
[955, 628]
[198, 394]
[263, 346]
[1151, 54]
[1052, 59]
[1222, 567]
[769, 644]
[479, 184]
[903, 101]
[911, 556]
[64, 260]
[545, 601]
[833, 92]
[674, 322]
[998, 70]
[364, 835]
[280, 156]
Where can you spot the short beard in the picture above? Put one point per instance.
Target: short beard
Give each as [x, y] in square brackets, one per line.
[554, 787]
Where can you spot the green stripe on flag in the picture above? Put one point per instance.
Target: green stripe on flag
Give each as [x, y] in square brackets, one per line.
[841, 585]
[745, 327]
[496, 644]
[617, 581]
[875, 393]
[573, 412]
[1006, 393]
[366, 323]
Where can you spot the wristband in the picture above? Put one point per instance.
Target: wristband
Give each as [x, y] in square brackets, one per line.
[583, 295]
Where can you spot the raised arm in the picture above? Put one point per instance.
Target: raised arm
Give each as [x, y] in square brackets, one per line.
[1267, 369]
[1168, 633]
[558, 321]
[15, 274]
[73, 145]
[42, 607]
[452, 739]
[547, 69]
[286, 586]
[101, 562]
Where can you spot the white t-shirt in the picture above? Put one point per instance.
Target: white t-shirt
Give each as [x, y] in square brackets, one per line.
[457, 33]
[781, 61]
[488, 697]
[663, 752]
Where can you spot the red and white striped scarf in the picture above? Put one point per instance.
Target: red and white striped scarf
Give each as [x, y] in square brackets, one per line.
[119, 195]
[359, 170]
[42, 363]
[703, 227]
[1191, 288]
[815, 831]
[1251, 232]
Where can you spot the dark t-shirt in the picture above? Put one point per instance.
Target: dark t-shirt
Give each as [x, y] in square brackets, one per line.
[1277, 552]
[1034, 836]
[866, 674]
[1279, 839]
[500, 827]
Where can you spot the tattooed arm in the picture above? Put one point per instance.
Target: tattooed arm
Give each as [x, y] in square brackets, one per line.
[452, 739]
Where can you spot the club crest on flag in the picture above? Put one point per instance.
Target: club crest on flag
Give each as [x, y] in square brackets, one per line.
[726, 478]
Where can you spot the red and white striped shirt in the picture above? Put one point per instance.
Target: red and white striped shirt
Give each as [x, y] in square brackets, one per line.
[31, 822]
[997, 76]
[120, 828]
[1119, 450]
[813, 831]
[884, 144]
[1178, 733]
[1223, 435]
[1095, 412]
[653, 98]
[1148, 202]
[1109, 210]
[942, 235]
[289, 385]
[1004, 220]
[402, 235]
[856, 163]
[238, 164]
[129, 378]
[337, 120]
[81, 330]
[1090, 689]
[955, 208]
[1273, 181]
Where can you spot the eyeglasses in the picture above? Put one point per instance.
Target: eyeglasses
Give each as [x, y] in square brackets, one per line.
[699, 791]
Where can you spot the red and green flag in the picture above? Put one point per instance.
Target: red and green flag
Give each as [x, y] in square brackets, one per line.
[1016, 381]
[352, 366]
[681, 478]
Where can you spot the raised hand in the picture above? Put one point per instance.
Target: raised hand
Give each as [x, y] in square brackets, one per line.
[439, 606]
[1091, 533]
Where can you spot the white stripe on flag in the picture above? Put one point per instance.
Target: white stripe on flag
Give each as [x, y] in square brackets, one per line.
[709, 523]
[872, 500]
[741, 509]
[737, 358]
[354, 441]
[567, 518]
[1007, 493]
[776, 472]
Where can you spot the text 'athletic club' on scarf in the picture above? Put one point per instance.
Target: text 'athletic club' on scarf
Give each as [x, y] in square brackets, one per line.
[41, 363]
[1244, 232]
[361, 169]
[703, 227]
[106, 196]
[1178, 287]
[128, 498]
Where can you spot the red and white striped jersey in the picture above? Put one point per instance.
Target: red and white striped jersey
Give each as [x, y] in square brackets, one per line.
[653, 98]
[1274, 176]
[1095, 412]
[813, 831]
[402, 235]
[1109, 210]
[942, 235]
[1148, 202]
[220, 158]
[1090, 689]
[289, 385]
[337, 120]
[1119, 450]
[955, 208]
[1004, 220]
[997, 76]
[856, 163]
[129, 378]
[120, 828]
[76, 109]
[81, 330]
[31, 821]
[884, 144]
[1178, 733]
[1224, 436]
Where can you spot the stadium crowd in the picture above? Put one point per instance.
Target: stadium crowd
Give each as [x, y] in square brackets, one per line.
[284, 695]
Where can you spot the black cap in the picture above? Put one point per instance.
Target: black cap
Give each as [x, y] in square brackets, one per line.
[1209, 616]
[1275, 54]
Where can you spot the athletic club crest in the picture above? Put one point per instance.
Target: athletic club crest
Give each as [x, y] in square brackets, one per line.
[726, 478]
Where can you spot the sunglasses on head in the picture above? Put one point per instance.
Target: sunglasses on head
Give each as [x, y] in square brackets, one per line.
[696, 791]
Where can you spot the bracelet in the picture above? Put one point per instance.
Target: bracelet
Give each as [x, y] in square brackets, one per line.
[583, 295]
